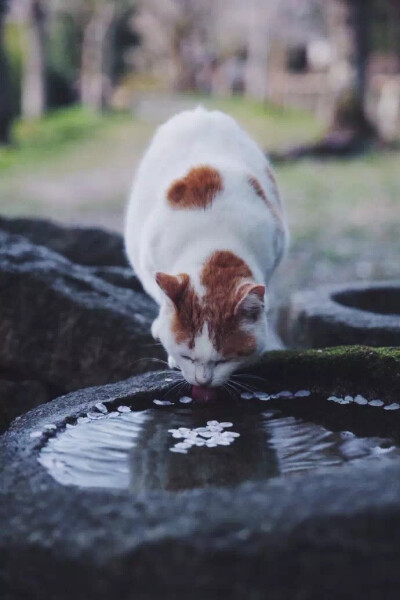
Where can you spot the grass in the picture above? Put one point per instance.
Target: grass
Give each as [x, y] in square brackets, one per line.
[37, 140]
[358, 196]
[271, 126]
[46, 139]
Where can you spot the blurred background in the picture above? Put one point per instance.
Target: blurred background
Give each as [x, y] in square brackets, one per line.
[84, 83]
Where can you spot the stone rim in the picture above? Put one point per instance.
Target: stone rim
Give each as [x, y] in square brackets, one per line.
[317, 319]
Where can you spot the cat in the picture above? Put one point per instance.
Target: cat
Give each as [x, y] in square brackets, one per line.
[204, 232]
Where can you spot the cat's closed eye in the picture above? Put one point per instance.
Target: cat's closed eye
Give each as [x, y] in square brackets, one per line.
[251, 314]
[187, 357]
[216, 363]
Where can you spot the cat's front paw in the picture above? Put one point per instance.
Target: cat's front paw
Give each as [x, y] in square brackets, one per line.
[154, 329]
[171, 362]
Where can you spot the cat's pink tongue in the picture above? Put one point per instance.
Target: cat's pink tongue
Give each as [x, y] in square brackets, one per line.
[203, 394]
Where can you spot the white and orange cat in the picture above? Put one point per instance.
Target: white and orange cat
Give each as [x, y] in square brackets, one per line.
[204, 232]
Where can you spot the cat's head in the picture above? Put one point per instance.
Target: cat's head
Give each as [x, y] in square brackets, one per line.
[212, 334]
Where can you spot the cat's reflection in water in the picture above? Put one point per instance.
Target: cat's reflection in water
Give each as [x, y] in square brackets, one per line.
[249, 457]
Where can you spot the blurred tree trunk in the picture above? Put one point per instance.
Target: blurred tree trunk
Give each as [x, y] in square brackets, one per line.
[34, 71]
[95, 83]
[257, 46]
[349, 23]
[184, 66]
[361, 22]
[6, 112]
[350, 131]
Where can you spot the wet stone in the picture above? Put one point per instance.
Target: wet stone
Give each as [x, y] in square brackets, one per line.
[89, 246]
[116, 506]
[18, 395]
[364, 313]
[75, 330]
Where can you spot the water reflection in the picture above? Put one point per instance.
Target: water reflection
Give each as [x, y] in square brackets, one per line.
[131, 449]
[249, 457]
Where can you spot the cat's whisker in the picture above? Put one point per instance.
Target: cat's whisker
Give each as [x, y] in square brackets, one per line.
[238, 389]
[180, 389]
[158, 360]
[228, 390]
[165, 372]
[186, 385]
[231, 387]
[249, 383]
[150, 359]
[240, 383]
[245, 387]
[248, 376]
[174, 384]
[175, 387]
[170, 390]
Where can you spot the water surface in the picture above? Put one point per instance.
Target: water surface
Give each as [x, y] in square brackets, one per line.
[131, 450]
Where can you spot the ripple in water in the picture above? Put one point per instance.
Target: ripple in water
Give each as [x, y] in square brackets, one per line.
[130, 450]
[95, 453]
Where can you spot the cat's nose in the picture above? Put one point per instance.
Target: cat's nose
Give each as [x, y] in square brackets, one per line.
[203, 375]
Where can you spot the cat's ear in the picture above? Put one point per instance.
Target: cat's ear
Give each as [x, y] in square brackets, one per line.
[250, 301]
[173, 286]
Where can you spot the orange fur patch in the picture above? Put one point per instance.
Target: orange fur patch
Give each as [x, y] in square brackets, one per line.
[255, 184]
[278, 240]
[222, 275]
[188, 318]
[173, 286]
[197, 189]
[273, 181]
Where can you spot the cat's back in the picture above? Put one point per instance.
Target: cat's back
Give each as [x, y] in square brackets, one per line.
[203, 160]
[189, 139]
[200, 135]
[198, 125]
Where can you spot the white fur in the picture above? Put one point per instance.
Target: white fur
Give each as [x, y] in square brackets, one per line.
[160, 238]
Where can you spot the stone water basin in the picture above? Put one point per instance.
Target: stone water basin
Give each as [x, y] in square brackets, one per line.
[304, 503]
[354, 313]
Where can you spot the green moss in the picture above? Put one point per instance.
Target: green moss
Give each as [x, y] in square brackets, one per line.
[338, 370]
